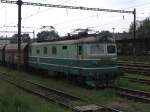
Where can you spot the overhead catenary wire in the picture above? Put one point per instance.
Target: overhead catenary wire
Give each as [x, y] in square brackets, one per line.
[134, 6]
[123, 9]
[69, 0]
[14, 32]
[38, 12]
[148, 3]
[16, 26]
[72, 7]
[112, 22]
[65, 1]
[61, 22]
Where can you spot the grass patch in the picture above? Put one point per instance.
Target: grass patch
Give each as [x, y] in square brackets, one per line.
[133, 85]
[13, 99]
[140, 76]
[100, 96]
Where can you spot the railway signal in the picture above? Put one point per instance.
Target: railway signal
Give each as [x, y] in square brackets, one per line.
[20, 3]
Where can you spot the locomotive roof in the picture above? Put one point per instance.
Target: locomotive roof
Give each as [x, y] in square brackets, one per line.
[91, 39]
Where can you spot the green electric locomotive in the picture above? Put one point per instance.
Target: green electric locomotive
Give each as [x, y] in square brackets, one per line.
[90, 60]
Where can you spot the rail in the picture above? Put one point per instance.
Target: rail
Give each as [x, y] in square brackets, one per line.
[134, 94]
[140, 68]
[140, 80]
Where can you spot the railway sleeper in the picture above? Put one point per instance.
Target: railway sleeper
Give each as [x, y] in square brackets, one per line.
[138, 80]
[132, 91]
[135, 97]
[136, 71]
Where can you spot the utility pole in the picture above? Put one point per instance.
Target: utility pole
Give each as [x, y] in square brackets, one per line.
[19, 3]
[114, 34]
[33, 34]
[134, 37]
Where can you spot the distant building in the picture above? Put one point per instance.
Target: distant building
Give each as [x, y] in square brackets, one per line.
[126, 44]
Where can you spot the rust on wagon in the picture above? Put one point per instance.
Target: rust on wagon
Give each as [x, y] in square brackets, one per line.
[11, 54]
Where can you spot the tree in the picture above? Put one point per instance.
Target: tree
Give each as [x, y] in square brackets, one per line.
[142, 28]
[14, 38]
[105, 33]
[131, 29]
[24, 38]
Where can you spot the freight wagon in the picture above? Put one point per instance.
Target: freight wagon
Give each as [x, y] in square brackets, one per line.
[11, 54]
[2, 54]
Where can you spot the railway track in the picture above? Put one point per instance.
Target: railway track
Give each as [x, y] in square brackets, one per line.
[137, 63]
[133, 94]
[141, 68]
[64, 99]
[143, 81]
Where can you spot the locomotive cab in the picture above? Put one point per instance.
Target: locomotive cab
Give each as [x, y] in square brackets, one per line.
[111, 52]
[102, 66]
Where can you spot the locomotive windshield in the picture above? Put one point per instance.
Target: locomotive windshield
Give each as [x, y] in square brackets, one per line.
[111, 49]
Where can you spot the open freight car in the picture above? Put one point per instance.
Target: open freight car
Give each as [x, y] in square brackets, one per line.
[2, 54]
[11, 54]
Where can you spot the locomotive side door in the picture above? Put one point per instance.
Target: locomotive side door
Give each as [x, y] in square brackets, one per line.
[79, 51]
[65, 51]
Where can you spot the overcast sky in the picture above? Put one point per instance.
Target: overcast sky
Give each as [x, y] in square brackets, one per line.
[66, 20]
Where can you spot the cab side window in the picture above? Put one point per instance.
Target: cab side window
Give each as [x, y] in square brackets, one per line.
[54, 50]
[80, 50]
[37, 51]
[44, 50]
[64, 47]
